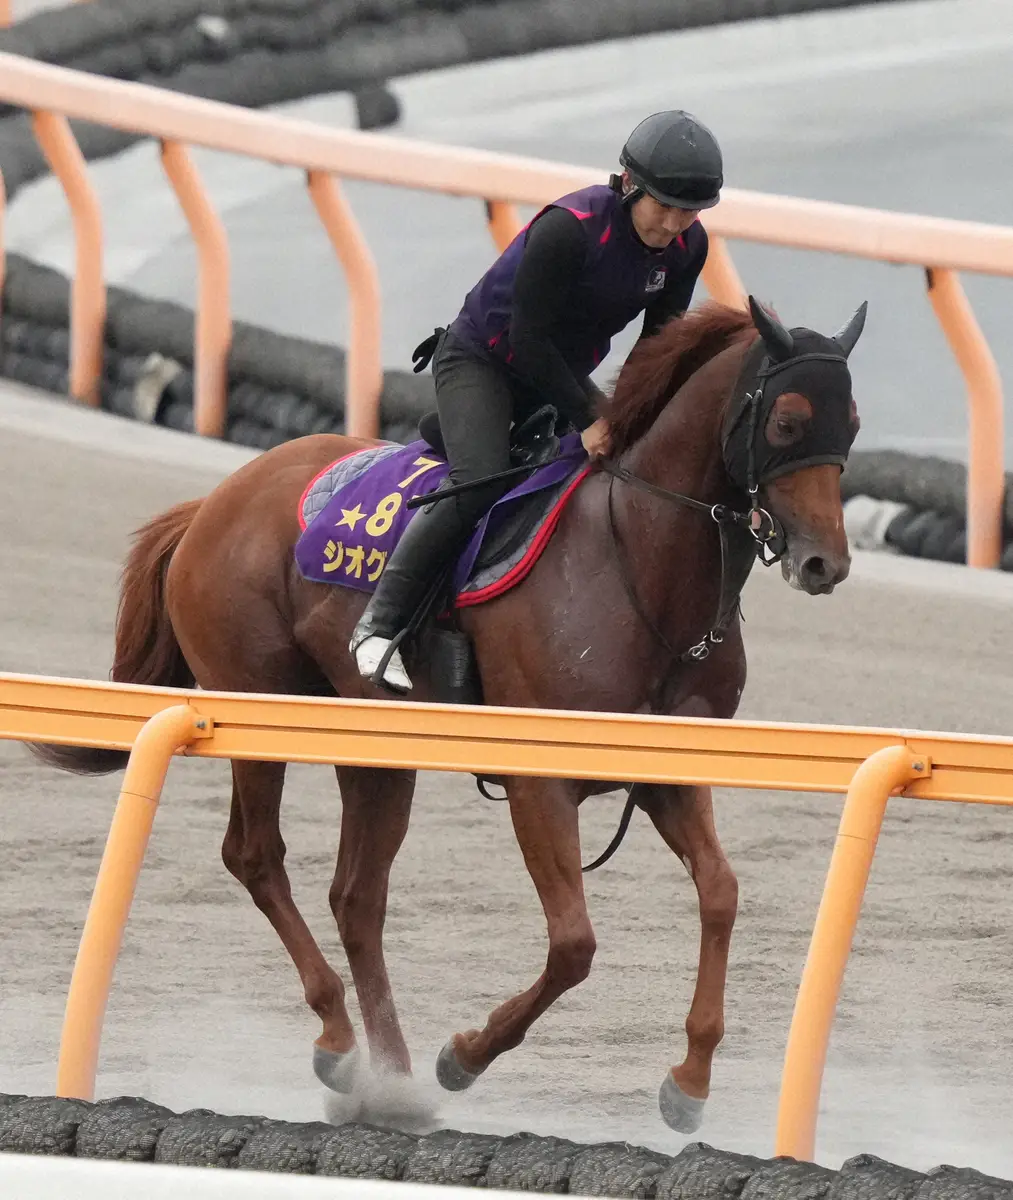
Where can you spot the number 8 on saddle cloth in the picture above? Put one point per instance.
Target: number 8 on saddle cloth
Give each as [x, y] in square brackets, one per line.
[354, 511]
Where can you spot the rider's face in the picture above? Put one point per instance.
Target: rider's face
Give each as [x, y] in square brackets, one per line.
[656, 224]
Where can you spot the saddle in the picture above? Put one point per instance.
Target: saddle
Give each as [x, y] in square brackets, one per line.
[454, 672]
[532, 443]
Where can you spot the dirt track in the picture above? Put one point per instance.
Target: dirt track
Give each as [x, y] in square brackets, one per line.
[207, 1010]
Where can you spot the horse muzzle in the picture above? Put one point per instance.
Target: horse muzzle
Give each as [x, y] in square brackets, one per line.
[814, 569]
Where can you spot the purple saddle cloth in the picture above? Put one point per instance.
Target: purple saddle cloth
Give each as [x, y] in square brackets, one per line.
[354, 512]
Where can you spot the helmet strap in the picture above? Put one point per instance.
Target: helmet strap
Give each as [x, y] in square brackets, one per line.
[628, 198]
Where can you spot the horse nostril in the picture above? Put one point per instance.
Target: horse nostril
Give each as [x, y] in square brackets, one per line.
[815, 571]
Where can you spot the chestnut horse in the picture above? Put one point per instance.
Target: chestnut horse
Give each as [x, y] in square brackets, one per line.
[722, 441]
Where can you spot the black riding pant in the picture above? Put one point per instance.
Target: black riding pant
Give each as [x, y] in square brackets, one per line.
[477, 401]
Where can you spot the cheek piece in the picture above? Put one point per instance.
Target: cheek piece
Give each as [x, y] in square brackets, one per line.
[823, 377]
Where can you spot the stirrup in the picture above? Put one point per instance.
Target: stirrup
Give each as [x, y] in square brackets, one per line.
[379, 660]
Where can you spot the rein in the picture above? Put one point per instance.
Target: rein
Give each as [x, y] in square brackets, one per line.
[770, 545]
[766, 531]
[724, 518]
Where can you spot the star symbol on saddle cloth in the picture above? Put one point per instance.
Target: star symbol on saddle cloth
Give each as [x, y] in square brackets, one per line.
[350, 517]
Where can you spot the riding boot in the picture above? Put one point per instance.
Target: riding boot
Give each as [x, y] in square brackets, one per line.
[432, 540]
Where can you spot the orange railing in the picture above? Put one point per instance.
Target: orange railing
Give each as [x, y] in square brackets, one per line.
[11, 11]
[942, 247]
[868, 765]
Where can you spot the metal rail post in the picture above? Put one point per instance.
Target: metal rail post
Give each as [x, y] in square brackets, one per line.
[986, 479]
[88, 291]
[805, 1057]
[364, 369]
[504, 222]
[719, 275]
[213, 332]
[157, 742]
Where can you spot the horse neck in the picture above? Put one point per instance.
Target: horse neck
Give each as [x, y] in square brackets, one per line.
[675, 556]
[682, 450]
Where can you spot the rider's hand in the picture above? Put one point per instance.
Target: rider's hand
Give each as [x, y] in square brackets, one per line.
[596, 439]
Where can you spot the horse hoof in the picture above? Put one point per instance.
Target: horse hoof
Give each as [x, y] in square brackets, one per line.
[680, 1112]
[450, 1075]
[336, 1070]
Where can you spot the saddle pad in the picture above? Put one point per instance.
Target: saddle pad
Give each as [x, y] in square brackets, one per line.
[354, 511]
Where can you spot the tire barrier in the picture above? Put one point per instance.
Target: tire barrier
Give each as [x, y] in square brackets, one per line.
[258, 52]
[920, 483]
[279, 387]
[129, 1129]
[915, 506]
[285, 387]
[262, 52]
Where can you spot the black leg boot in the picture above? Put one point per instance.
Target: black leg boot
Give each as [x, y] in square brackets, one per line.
[434, 538]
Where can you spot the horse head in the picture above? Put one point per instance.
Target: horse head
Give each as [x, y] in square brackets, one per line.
[789, 429]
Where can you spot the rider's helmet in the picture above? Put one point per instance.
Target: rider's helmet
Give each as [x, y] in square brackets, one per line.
[676, 159]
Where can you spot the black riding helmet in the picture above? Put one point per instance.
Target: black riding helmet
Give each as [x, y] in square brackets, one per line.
[676, 159]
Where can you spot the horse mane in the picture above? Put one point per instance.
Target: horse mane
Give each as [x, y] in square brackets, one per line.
[658, 366]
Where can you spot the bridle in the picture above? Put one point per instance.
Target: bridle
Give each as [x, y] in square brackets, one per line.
[769, 539]
[767, 533]
[769, 543]
[768, 536]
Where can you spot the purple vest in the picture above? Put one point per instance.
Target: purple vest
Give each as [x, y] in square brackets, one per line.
[620, 278]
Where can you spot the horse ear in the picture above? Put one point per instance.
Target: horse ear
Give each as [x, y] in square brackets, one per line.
[776, 338]
[846, 337]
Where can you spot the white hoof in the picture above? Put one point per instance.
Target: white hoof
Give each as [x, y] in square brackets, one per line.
[680, 1112]
[368, 655]
[450, 1075]
[336, 1071]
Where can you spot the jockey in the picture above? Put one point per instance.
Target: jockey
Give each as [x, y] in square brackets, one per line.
[534, 328]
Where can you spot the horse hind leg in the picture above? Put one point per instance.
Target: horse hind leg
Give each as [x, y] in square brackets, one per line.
[254, 852]
[375, 809]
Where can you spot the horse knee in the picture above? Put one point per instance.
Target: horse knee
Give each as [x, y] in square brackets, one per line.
[258, 868]
[358, 916]
[232, 857]
[719, 898]
[570, 959]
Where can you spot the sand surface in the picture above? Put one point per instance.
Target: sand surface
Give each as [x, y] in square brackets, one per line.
[207, 1010]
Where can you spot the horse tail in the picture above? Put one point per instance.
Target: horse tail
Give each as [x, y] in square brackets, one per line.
[147, 651]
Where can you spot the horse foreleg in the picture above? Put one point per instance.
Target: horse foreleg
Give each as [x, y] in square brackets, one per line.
[253, 850]
[684, 817]
[375, 807]
[544, 814]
